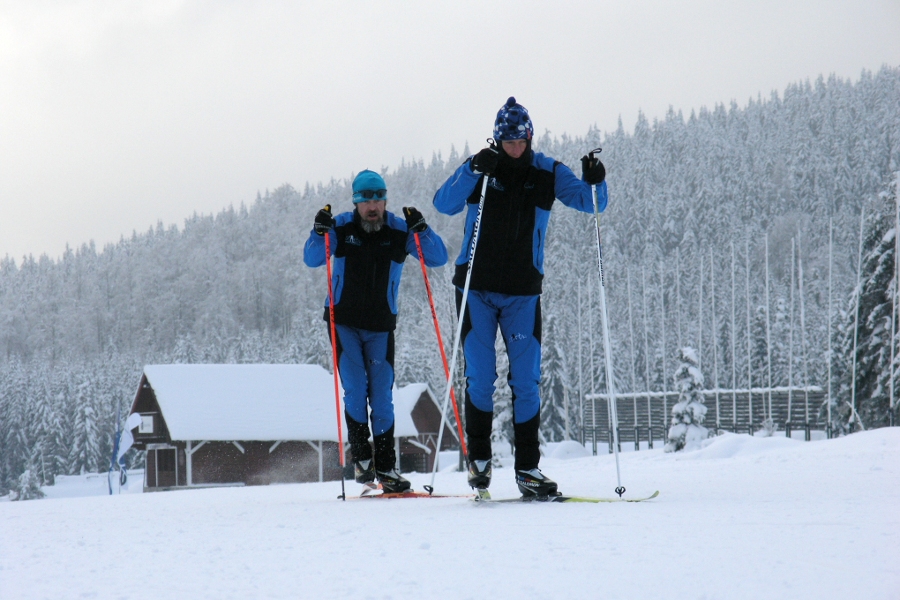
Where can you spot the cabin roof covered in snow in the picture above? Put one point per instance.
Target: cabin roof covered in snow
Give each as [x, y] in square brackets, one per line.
[258, 402]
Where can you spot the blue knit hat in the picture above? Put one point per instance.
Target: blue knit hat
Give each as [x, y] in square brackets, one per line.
[368, 181]
[513, 122]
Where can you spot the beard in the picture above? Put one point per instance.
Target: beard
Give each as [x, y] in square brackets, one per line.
[371, 226]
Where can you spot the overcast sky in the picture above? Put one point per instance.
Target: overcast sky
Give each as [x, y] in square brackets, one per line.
[115, 115]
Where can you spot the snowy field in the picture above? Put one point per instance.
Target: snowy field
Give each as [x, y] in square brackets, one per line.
[742, 518]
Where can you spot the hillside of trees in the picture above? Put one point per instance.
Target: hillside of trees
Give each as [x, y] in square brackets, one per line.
[712, 214]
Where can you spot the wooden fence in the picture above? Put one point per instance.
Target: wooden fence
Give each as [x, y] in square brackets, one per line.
[645, 416]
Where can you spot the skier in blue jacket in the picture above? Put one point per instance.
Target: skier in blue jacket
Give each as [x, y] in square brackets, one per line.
[369, 246]
[505, 286]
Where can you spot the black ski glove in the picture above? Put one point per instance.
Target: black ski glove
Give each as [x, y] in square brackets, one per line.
[415, 222]
[592, 170]
[486, 161]
[324, 221]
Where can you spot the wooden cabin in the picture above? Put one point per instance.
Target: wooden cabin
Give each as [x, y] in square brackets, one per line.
[216, 425]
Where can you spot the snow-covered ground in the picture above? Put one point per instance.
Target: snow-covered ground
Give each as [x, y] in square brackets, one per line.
[742, 518]
[94, 484]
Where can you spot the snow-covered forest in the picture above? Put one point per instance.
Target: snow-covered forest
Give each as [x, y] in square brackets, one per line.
[717, 236]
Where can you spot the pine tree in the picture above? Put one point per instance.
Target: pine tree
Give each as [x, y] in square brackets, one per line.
[14, 429]
[28, 487]
[553, 384]
[84, 456]
[184, 352]
[502, 432]
[687, 431]
[876, 300]
[43, 424]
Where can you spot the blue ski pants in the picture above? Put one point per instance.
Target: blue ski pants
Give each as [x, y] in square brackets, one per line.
[366, 365]
[519, 320]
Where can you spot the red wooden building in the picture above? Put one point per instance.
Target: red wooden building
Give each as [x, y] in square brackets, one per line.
[213, 425]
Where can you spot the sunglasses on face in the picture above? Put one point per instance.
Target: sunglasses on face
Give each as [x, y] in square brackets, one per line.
[370, 194]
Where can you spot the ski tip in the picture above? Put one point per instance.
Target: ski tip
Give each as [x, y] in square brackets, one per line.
[641, 499]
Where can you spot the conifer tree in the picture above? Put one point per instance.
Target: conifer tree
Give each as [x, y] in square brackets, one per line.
[502, 432]
[28, 487]
[687, 431]
[84, 456]
[874, 338]
[553, 384]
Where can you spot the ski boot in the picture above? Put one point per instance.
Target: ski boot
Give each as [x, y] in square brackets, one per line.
[479, 473]
[480, 478]
[392, 482]
[364, 471]
[533, 483]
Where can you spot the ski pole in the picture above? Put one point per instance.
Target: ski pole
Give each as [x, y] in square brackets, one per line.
[440, 340]
[337, 394]
[607, 346]
[459, 320]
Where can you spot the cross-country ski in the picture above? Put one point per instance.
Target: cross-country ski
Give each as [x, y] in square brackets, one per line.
[560, 498]
[407, 494]
[372, 490]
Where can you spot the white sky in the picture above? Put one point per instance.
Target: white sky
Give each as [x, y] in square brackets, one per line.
[114, 115]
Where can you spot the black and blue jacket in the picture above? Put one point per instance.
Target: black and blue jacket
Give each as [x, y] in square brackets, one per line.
[509, 257]
[367, 267]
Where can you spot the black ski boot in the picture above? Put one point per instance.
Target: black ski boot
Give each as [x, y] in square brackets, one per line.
[534, 483]
[392, 482]
[364, 471]
[479, 474]
[360, 450]
[386, 464]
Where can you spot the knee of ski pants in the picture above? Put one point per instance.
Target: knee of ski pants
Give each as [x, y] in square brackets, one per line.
[379, 355]
[520, 325]
[521, 328]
